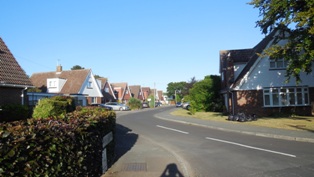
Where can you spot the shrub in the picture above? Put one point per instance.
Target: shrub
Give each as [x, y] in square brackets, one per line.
[13, 112]
[192, 108]
[53, 107]
[135, 103]
[71, 146]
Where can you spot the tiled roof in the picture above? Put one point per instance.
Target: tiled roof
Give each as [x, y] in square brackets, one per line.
[103, 82]
[11, 72]
[135, 90]
[75, 79]
[121, 84]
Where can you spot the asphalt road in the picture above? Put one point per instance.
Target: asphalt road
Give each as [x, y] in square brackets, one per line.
[211, 152]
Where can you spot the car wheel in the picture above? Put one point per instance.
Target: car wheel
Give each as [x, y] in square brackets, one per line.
[188, 107]
[120, 109]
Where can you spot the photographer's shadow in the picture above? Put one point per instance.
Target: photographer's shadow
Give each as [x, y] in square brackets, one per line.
[171, 171]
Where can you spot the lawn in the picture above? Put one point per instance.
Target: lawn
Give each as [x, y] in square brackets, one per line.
[302, 123]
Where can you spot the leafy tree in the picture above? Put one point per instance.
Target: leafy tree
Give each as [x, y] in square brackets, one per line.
[77, 67]
[97, 76]
[189, 85]
[294, 19]
[176, 88]
[205, 94]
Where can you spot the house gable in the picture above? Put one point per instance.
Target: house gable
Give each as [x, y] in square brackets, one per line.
[260, 88]
[11, 73]
[90, 86]
[13, 79]
[136, 92]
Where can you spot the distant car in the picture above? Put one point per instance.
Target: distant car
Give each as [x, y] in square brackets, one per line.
[178, 104]
[102, 105]
[186, 105]
[106, 107]
[117, 106]
[157, 104]
[145, 105]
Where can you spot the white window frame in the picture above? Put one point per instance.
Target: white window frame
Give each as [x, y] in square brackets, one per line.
[285, 96]
[278, 64]
[93, 99]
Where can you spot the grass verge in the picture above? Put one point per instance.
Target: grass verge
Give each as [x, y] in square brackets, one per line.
[301, 123]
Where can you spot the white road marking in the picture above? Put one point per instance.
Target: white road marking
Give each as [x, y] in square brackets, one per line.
[172, 129]
[251, 147]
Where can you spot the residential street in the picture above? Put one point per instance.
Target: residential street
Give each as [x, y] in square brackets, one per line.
[203, 151]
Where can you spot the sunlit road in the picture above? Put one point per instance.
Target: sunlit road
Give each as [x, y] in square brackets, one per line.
[209, 152]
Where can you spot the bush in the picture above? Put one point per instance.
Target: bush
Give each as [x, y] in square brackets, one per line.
[192, 108]
[53, 107]
[71, 146]
[135, 103]
[13, 112]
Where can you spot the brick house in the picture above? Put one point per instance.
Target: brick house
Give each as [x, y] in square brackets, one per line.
[13, 79]
[107, 91]
[122, 92]
[137, 92]
[254, 84]
[146, 92]
[80, 84]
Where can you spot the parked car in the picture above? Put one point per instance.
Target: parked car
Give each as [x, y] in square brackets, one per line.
[186, 105]
[145, 105]
[106, 107]
[178, 104]
[117, 106]
[102, 105]
[157, 104]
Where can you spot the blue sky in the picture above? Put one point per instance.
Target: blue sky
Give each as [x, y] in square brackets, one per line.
[142, 42]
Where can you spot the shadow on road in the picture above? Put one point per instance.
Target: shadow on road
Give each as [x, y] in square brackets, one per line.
[171, 171]
[125, 140]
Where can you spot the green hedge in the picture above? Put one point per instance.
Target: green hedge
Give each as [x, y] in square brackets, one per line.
[13, 112]
[71, 146]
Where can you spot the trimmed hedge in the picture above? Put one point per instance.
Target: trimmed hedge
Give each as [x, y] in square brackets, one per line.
[71, 146]
[53, 107]
[13, 112]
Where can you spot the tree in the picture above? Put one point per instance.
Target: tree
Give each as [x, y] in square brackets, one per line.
[204, 95]
[294, 19]
[77, 67]
[175, 88]
[97, 76]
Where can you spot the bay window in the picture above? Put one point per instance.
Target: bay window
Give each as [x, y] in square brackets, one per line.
[286, 96]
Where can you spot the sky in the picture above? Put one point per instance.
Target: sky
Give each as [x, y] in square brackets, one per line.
[142, 42]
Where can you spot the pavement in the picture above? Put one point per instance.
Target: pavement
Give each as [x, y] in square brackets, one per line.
[148, 159]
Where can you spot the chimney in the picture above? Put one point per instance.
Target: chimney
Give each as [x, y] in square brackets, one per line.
[59, 69]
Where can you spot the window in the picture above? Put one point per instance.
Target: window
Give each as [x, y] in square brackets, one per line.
[52, 84]
[107, 90]
[89, 84]
[94, 100]
[286, 96]
[277, 64]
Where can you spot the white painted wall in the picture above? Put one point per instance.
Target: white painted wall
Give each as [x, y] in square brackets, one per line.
[57, 86]
[93, 91]
[261, 76]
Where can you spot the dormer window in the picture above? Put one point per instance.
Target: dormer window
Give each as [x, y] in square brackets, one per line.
[278, 64]
[52, 84]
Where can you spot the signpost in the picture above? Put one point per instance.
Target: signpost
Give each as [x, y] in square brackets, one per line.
[105, 141]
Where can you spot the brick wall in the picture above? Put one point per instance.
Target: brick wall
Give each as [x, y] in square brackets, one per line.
[251, 102]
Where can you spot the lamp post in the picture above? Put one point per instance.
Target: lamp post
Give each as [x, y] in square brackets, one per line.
[175, 95]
